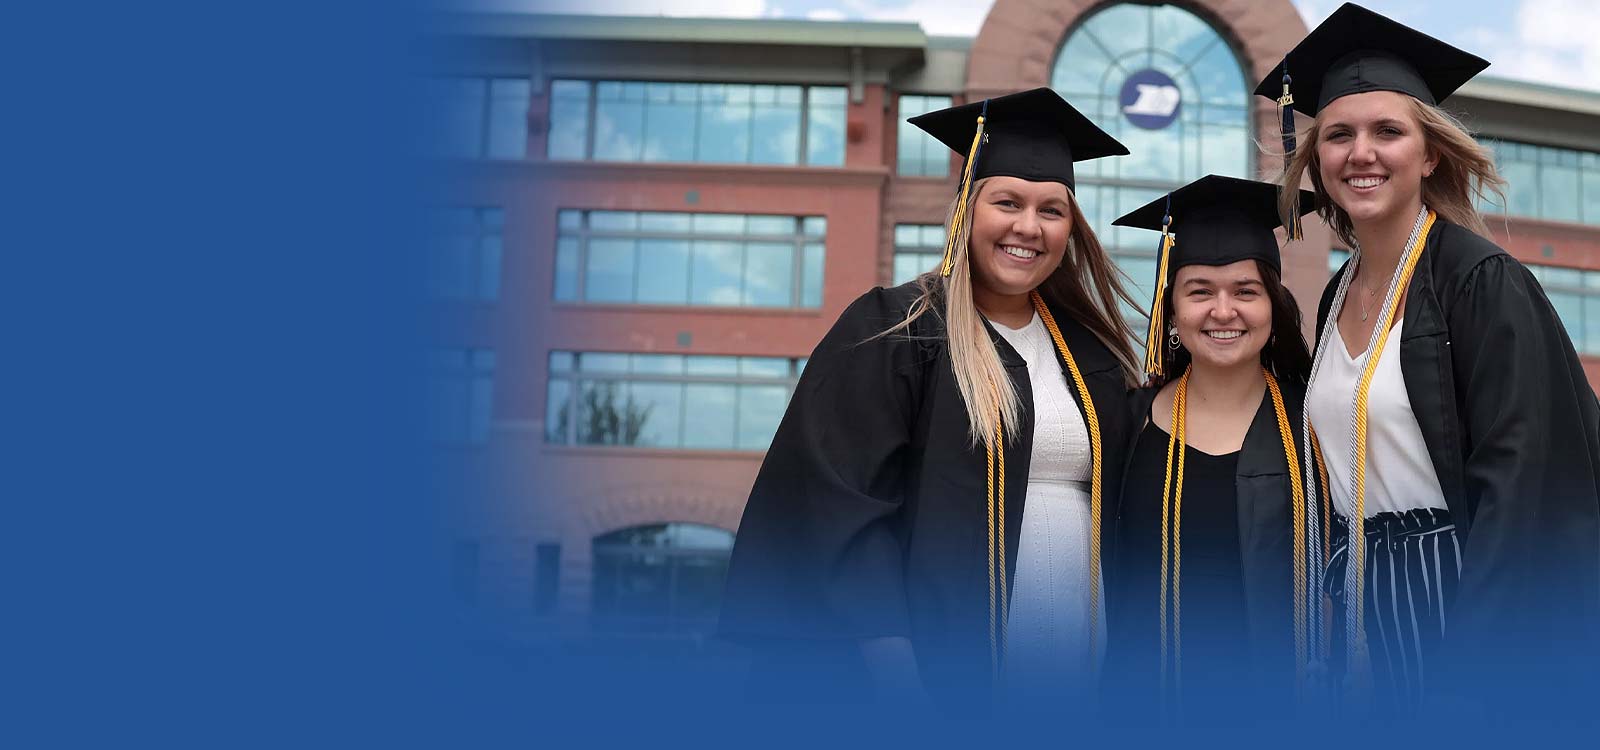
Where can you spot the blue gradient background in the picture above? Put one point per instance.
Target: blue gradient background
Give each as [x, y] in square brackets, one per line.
[219, 527]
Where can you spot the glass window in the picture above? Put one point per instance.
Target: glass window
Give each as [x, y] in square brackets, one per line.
[609, 272]
[1591, 194]
[713, 406]
[667, 400]
[669, 115]
[618, 121]
[666, 578]
[1554, 184]
[760, 409]
[662, 258]
[508, 117]
[663, 272]
[1119, 66]
[716, 274]
[480, 117]
[569, 120]
[660, 412]
[462, 382]
[465, 263]
[1575, 295]
[918, 248]
[920, 154]
[825, 119]
[811, 276]
[1336, 259]
[775, 120]
[768, 274]
[697, 122]
[457, 104]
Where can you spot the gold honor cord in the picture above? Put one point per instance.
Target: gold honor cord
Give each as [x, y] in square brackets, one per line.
[1092, 418]
[998, 600]
[1356, 626]
[1172, 532]
[1298, 506]
[1172, 541]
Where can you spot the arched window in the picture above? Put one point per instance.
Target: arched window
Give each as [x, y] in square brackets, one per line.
[1166, 84]
[660, 578]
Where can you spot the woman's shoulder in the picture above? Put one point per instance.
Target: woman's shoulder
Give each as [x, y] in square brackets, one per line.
[1463, 254]
[867, 327]
[881, 308]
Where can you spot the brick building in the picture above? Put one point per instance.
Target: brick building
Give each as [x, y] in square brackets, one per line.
[650, 222]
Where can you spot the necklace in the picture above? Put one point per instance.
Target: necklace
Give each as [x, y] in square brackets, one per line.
[1354, 625]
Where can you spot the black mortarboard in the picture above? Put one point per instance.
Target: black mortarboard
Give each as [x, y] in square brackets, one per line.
[1356, 50]
[1212, 221]
[1034, 135]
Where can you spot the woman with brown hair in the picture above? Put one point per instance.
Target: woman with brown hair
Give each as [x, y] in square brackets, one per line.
[1460, 433]
[931, 509]
[1204, 581]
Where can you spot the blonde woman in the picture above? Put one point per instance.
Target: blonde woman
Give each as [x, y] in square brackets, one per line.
[930, 510]
[1460, 433]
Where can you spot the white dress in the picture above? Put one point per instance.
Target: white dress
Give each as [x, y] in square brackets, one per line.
[1049, 616]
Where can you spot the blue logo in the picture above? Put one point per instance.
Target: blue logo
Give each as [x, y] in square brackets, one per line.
[1150, 99]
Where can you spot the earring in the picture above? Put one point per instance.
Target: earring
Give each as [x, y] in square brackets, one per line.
[1172, 339]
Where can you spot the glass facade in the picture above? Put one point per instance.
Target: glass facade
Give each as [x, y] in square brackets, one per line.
[1542, 182]
[462, 381]
[1169, 87]
[920, 154]
[719, 123]
[665, 258]
[667, 400]
[1575, 294]
[918, 248]
[660, 578]
[465, 258]
[479, 117]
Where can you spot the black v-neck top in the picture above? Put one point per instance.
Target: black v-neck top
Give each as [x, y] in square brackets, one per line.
[1214, 623]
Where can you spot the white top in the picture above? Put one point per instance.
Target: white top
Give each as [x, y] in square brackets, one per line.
[1400, 476]
[1049, 616]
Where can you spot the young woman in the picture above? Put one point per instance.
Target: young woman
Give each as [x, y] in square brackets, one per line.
[1461, 435]
[1202, 618]
[933, 499]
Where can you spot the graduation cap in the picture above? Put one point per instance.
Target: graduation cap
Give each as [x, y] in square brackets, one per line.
[1222, 220]
[1034, 135]
[1355, 51]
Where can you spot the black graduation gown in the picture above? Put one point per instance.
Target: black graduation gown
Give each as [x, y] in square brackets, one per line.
[869, 516]
[1513, 430]
[1264, 500]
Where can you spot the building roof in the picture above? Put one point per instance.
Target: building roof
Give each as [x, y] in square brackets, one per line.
[761, 31]
[1524, 93]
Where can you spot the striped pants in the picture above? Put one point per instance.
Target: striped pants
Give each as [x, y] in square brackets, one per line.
[1413, 566]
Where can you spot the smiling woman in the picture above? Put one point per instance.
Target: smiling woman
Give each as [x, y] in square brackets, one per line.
[930, 513]
[1205, 517]
[1465, 451]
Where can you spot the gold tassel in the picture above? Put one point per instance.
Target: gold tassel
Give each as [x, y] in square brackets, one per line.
[960, 217]
[1154, 337]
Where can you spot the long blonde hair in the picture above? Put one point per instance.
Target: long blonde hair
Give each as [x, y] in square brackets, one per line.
[1087, 286]
[1465, 170]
